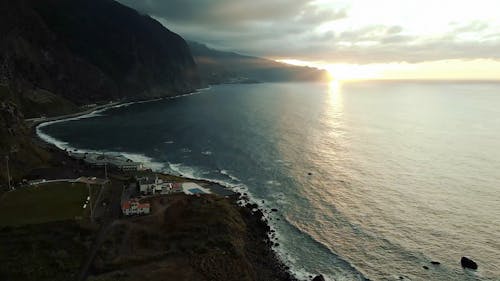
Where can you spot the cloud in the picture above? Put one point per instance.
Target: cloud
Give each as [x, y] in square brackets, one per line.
[303, 29]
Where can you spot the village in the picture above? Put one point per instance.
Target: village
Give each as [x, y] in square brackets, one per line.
[102, 184]
[143, 186]
[135, 197]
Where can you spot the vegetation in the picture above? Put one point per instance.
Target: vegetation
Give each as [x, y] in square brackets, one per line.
[44, 203]
[189, 238]
[44, 252]
[15, 140]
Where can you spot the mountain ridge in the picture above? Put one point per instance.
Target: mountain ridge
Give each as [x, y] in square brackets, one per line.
[89, 50]
[219, 67]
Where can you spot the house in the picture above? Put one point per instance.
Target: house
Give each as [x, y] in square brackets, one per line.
[146, 185]
[114, 160]
[151, 186]
[176, 187]
[134, 207]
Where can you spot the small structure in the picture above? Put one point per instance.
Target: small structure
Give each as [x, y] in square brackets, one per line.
[176, 187]
[151, 186]
[134, 207]
[114, 160]
[154, 186]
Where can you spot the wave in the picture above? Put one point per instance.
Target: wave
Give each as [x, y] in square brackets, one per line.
[273, 182]
[147, 161]
[227, 174]
[207, 153]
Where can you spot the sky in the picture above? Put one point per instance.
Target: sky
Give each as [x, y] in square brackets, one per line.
[353, 39]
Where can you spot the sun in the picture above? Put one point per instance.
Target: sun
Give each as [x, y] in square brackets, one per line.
[346, 72]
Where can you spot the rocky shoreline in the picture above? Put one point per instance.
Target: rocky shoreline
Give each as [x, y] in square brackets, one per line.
[258, 239]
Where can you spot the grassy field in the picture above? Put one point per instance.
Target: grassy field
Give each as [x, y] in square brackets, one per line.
[44, 203]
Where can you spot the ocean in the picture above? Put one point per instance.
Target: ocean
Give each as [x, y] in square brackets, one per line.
[371, 179]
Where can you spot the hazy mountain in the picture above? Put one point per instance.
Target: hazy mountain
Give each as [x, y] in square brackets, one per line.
[227, 67]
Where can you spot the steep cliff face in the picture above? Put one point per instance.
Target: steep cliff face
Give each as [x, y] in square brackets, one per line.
[15, 142]
[88, 50]
[56, 55]
[136, 52]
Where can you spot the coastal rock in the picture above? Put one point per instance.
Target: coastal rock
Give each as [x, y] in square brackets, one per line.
[319, 278]
[468, 263]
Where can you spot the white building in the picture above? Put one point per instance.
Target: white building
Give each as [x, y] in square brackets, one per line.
[113, 160]
[154, 186]
[134, 207]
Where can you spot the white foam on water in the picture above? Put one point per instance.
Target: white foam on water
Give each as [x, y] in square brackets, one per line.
[208, 152]
[204, 89]
[273, 182]
[197, 92]
[226, 173]
[147, 161]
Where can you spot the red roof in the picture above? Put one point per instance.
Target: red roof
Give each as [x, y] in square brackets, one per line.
[142, 206]
[126, 205]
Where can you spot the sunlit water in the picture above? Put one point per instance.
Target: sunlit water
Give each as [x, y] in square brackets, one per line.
[401, 173]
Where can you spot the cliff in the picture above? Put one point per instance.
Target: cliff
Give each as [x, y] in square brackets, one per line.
[56, 55]
[228, 67]
[81, 51]
[15, 142]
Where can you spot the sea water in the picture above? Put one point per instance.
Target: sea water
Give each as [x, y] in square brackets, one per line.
[370, 179]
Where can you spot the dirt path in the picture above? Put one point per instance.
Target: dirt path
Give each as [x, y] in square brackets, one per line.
[109, 220]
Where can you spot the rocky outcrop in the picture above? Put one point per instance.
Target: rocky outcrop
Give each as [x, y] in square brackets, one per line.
[468, 263]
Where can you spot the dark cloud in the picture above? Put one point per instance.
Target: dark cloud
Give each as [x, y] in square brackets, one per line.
[216, 12]
[288, 29]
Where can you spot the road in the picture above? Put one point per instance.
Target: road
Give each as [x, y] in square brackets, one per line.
[110, 214]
